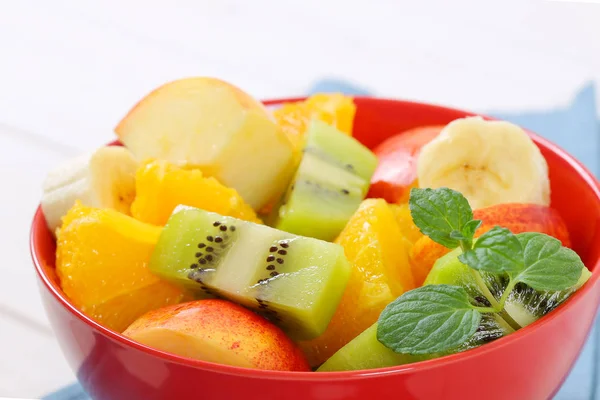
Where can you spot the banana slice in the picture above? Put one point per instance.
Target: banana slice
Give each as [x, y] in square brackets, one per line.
[489, 162]
[104, 178]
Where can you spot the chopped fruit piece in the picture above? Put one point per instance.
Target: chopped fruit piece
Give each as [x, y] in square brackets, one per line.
[515, 217]
[489, 162]
[410, 232]
[366, 352]
[220, 332]
[334, 109]
[103, 179]
[215, 126]
[102, 262]
[396, 173]
[524, 305]
[380, 273]
[332, 180]
[161, 186]
[296, 282]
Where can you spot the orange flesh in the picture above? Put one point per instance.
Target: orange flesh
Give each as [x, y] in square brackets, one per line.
[102, 263]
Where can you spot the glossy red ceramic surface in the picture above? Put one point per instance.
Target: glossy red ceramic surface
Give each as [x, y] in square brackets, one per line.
[527, 365]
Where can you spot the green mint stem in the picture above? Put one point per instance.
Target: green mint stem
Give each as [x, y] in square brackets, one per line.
[466, 245]
[509, 320]
[486, 292]
[497, 307]
[486, 309]
[507, 291]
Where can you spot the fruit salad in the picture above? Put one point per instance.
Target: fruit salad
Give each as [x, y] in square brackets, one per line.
[220, 230]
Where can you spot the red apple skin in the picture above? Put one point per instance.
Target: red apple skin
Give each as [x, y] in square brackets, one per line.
[396, 172]
[227, 326]
[516, 217]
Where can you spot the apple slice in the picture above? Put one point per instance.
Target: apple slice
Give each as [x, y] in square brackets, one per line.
[396, 172]
[220, 332]
[214, 126]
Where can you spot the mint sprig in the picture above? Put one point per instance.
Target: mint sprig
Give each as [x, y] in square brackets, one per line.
[439, 318]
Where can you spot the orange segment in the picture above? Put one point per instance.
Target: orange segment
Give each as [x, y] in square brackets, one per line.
[102, 263]
[335, 109]
[380, 273]
[423, 255]
[409, 230]
[161, 186]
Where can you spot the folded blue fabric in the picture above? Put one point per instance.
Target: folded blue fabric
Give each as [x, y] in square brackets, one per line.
[576, 129]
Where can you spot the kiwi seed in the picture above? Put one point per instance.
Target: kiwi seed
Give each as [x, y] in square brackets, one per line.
[345, 191]
[285, 245]
[209, 249]
[202, 261]
[271, 258]
[201, 245]
[218, 239]
[273, 249]
[194, 266]
[216, 223]
[280, 260]
[274, 273]
[282, 252]
[198, 255]
[209, 257]
[223, 228]
[209, 238]
[271, 267]
[232, 228]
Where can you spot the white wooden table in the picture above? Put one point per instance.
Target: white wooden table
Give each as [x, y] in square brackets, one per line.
[70, 69]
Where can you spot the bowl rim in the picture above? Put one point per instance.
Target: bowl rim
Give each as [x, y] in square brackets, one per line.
[579, 168]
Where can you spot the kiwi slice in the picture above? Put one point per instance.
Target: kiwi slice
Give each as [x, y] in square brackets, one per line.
[524, 305]
[296, 282]
[366, 352]
[332, 179]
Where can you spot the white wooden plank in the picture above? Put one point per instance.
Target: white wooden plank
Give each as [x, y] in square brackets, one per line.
[24, 160]
[33, 363]
[71, 69]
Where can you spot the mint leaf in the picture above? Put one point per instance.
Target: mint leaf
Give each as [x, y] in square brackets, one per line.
[440, 212]
[457, 235]
[548, 265]
[496, 251]
[429, 319]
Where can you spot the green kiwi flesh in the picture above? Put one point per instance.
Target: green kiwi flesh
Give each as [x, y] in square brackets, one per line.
[366, 352]
[332, 179]
[524, 304]
[294, 281]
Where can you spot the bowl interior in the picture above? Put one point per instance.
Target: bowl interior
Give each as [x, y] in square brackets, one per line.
[575, 193]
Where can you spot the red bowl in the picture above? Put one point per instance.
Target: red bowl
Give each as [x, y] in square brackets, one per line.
[529, 364]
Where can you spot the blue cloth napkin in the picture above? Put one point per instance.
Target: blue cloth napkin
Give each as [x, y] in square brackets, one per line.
[576, 129]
